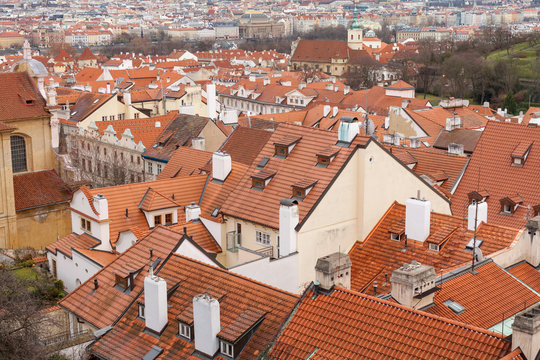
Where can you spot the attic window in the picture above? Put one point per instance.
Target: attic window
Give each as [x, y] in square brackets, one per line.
[141, 311]
[301, 188]
[510, 204]
[29, 102]
[434, 247]
[215, 212]
[454, 306]
[520, 153]
[121, 282]
[261, 179]
[185, 330]
[395, 236]
[477, 196]
[325, 157]
[284, 146]
[226, 348]
[281, 151]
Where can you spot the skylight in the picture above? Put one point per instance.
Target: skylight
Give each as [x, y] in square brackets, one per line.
[470, 244]
[454, 306]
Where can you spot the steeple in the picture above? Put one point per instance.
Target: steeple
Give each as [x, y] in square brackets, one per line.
[354, 33]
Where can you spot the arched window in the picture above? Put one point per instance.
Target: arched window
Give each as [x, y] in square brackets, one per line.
[18, 154]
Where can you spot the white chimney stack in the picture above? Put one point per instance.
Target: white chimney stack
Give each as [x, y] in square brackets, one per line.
[335, 111]
[221, 166]
[482, 214]
[192, 212]
[348, 129]
[108, 88]
[206, 323]
[289, 217]
[198, 143]
[211, 101]
[417, 219]
[326, 110]
[155, 303]
[102, 206]
[412, 285]
[127, 98]
[346, 89]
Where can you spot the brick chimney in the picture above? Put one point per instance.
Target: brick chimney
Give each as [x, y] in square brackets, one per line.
[526, 332]
[334, 269]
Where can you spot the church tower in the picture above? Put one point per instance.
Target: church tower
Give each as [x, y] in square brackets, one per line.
[354, 33]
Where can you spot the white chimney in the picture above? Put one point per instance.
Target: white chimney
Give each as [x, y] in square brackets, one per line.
[335, 111]
[221, 166]
[102, 206]
[301, 85]
[417, 219]
[328, 86]
[486, 104]
[211, 101]
[127, 98]
[347, 130]
[206, 323]
[108, 88]
[482, 214]
[192, 212]
[326, 110]
[252, 78]
[386, 122]
[155, 303]
[198, 143]
[289, 217]
[526, 332]
[266, 81]
[404, 103]
[346, 89]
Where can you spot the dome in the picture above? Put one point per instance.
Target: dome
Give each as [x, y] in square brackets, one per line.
[32, 66]
[370, 33]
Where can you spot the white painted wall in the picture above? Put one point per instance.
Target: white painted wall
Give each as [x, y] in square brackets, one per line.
[125, 240]
[281, 273]
[215, 229]
[189, 250]
[70, 270]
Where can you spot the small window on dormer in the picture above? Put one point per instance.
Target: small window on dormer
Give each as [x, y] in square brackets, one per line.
[507, 208]
[260, 179]
[184, 330]
[257, 183]
[226, 348]
[141, 311]
[434, 247]
[281, 151]
[121, 282]
[323, 161]
[284, 145]
[157, 220]
[395, 236]
[168, 219]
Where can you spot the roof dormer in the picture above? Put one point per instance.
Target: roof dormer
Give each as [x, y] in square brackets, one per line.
[261, 178]
[509, 205]
[158, 209]
[284, 145]
[301, 188]
[477, 196]
[520, 153]
[325, 157]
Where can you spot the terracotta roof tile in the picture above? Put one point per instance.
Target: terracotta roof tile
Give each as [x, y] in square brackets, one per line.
[378, 254]
[71, 241]
[103, 306]
[185, 161]
[528, 274]
[300, 163]
[490, 169]
[466, 137]
[244, 144]
[153, 200]
[489, 296]
[38, 189]
[19, 97]
[244, 301]
[350, 325]
[101, 257]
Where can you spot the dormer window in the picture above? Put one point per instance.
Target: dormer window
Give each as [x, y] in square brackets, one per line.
[395, 236]
[301, 188]
[520, 153]
[226, 348]
[477, 196]
[260, 180]
[397, 230]
[122, 283]
[325, 157]
[434, 247]
[185, 330]
[510, 204]
[157, 220]
[284, 146]
[141, 311]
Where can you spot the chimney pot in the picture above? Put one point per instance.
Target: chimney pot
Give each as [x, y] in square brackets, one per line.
[526, 331]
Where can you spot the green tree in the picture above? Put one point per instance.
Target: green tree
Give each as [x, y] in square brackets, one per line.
[510, 103]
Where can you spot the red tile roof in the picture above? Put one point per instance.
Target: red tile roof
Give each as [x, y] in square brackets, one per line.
[185, 161]
[349, 325]
[490, 169]
[242, 303]
[39, 189]
[19, 97]
[488, 296]
[528, 274]
[320, 51]
[244, 144]
[103, 306]
[379, 255]
[68, 242]
[300, 163]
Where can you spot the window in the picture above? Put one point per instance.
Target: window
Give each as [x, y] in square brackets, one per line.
[227, 349]
[434, 247]
[168, 219]
[149, 168]
[111, 117]
[122, 283]
[132, 159]
[138, 161]
[104, 118]
[184, 330]
[86, 225]
[105, 151]
[141, 311]
[281, 151]
[18, 154]
[323, 161]
[136, 115]
[257, 183]
[122, 156]
[507, 209]
[159, 169]
[262, 237]
[88, 146]
[395, 236]
[157, 220]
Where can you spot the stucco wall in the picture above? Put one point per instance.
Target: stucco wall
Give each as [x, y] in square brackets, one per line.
[42, 226]
[213, 136]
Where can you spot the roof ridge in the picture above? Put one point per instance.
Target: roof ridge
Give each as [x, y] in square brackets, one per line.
[147, 183]
[422, 313]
